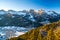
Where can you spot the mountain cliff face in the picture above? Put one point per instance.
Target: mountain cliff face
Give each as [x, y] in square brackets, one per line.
[27, 18]
[46, 32]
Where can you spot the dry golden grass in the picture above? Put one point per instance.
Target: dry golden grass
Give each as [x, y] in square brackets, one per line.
[46, 32]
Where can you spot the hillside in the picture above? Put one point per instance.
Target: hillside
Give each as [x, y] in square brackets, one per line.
[46, 32]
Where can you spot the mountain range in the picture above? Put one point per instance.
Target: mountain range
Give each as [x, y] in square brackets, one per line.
[26, 18]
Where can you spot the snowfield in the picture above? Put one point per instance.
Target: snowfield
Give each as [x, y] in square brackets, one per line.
[12, 31]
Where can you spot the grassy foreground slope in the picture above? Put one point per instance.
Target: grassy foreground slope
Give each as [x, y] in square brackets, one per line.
[46, 32]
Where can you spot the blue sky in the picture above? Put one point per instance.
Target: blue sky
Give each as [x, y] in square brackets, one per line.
[30, 4]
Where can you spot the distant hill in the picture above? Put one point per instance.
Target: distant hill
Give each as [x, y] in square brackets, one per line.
[46, 32]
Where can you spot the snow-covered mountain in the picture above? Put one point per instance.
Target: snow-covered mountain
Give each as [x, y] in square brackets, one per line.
[29, 18]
